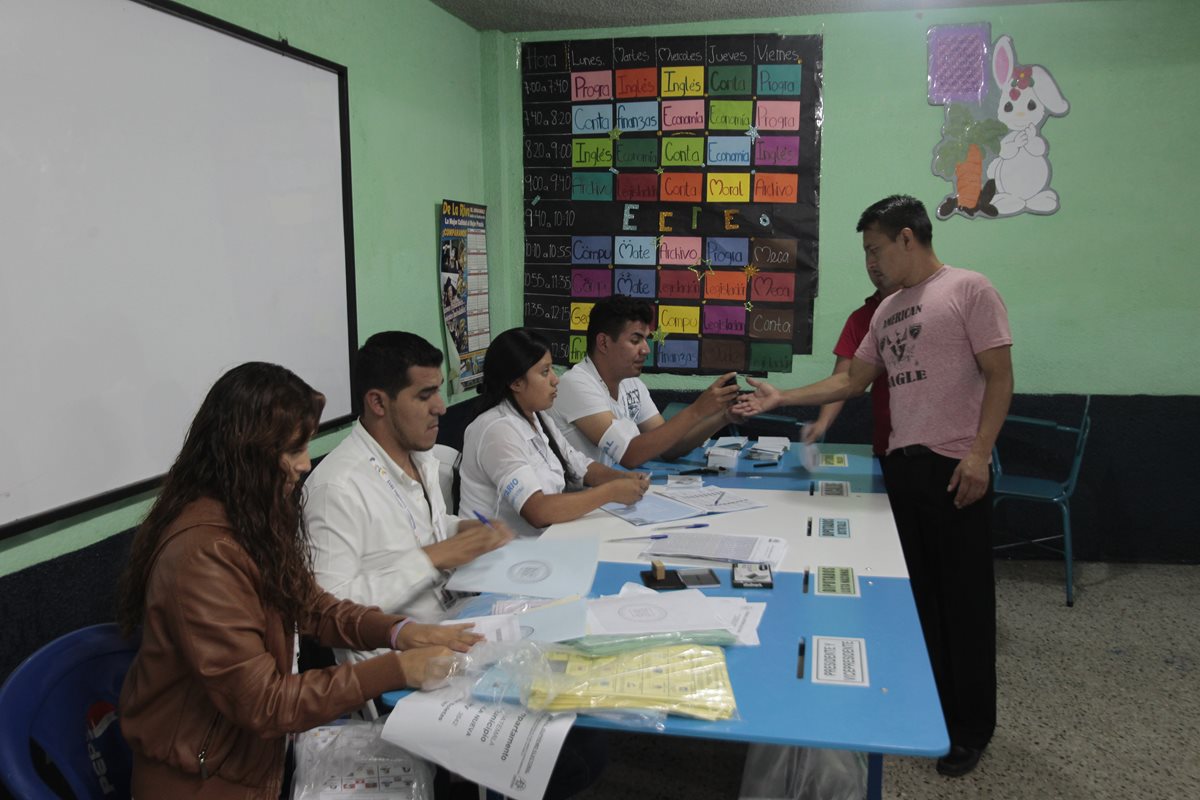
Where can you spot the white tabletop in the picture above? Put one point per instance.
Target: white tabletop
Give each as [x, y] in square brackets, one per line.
[872, 549]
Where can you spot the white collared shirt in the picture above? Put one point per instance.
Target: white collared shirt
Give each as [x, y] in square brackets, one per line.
[582, 393]
[506, 461]
[368, 520]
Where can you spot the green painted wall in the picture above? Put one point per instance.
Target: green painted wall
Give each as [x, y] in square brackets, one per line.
[416, 137]
[1101, 295]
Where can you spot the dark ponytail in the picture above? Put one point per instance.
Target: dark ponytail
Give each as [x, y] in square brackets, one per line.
[509, 356]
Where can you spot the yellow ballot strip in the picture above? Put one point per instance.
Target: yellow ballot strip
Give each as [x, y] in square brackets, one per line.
[689, 680]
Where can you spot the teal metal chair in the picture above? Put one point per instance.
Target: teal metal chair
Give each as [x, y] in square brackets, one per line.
[1007, 486]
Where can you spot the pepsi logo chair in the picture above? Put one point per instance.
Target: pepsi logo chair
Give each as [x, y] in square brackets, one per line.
[64, 698]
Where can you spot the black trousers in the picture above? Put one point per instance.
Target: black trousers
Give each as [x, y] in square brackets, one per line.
[950, 567]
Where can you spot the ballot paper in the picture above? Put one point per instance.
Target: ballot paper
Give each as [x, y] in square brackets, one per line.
[494, 627]
[662, 612]
[653, 509]
[719, 547]
[731, 442]
[507, 748]
[556, 622]
[537, 567]
[714, 500]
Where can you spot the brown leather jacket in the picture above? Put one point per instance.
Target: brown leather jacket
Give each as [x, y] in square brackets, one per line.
[210, 697]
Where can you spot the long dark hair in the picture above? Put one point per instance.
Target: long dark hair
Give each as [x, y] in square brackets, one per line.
[252, 416]
[509, 357]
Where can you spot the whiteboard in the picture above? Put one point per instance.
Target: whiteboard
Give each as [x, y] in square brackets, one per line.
[172, 204]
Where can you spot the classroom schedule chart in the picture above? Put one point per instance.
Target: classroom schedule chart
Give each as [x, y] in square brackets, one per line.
[683, 171]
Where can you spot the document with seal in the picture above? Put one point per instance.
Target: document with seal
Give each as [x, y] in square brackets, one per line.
[534, 567]
[507, 748]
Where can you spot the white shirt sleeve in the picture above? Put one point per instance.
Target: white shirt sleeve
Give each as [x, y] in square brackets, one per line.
[370, 558]
[616, 440]
[504, 457]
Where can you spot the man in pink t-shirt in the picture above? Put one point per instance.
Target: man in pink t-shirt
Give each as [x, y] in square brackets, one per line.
[858, 324]
[943, 342]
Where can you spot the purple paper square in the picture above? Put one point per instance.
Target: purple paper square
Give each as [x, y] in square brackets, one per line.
[958, 63]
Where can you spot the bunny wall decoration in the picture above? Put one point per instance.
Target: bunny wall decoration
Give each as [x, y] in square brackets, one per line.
[1005, 145]
[1021, 171]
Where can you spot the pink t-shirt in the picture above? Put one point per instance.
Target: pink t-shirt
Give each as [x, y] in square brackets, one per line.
[926, 337]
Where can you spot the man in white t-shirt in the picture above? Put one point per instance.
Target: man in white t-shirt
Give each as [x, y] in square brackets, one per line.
[376, 517]
[603, 407]
[944, 342]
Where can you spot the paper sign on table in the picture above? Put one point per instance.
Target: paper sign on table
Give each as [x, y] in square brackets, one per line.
[839, 581]
[505, 747]
[833, 488]
[841, 662]
[834, 460]
[833, 527]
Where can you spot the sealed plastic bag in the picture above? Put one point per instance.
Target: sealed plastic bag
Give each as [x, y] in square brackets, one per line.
[351, 759]
[778, 772]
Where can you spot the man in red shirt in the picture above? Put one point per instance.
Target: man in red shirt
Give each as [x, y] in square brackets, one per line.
[855, 330]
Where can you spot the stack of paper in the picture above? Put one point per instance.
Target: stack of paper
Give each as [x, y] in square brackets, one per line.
[720, 547]
[769, 448]
[638, 610]
[684, 679]
[680, 503]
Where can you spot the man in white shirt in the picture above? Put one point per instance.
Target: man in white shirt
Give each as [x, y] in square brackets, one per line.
[376, 517]
[603, 407]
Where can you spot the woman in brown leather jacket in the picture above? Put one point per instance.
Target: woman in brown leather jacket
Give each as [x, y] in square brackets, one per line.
[220, 580]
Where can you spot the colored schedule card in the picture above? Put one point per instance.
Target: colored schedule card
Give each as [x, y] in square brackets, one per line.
[836, 582]
[834, 460]
[834, 488]
[842, 662]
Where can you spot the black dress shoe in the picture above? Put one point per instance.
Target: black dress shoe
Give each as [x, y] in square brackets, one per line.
[959, 761]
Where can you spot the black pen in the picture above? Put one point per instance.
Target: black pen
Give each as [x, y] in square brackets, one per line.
[812, 487]
[699, 471]
[800, 660]
[804, 590]
[809, 527]
[766, 464]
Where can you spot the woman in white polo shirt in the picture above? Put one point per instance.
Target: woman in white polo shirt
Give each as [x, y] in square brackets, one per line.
[516, 465]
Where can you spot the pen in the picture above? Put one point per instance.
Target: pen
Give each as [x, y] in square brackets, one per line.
[800, 660]
[812, 487]
[684, 527]
[805, 589]
[483, 519]
[809, 527]
[638, 538]
[766, 464]
[699, 471]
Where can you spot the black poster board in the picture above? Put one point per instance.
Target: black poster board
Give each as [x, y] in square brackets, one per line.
[681, 170]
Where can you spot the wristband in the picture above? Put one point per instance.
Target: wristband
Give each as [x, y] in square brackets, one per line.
[396, 631]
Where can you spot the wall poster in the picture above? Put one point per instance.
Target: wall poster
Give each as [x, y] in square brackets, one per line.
[682, 170]
[463, 285]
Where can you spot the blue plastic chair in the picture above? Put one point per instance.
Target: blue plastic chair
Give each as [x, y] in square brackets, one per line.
[64, 698]
[1041, 490]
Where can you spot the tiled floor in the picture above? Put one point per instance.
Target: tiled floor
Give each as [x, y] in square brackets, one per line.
[1097, 701]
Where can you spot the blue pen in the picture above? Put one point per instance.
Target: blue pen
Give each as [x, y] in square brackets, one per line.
[483, 519]
[638, 538]
[684, 527]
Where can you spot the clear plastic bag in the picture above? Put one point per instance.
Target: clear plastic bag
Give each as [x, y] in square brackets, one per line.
[613, 644]
[778, 772]
[688, 680]
[351, 759]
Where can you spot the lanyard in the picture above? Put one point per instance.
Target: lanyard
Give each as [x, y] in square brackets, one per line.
[412, 521]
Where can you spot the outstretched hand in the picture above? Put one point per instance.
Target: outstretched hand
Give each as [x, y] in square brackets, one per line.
[764, 398]
[472, 541]
[459, 638]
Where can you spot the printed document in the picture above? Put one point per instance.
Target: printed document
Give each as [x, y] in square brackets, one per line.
[720, 547]
[507, 748]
